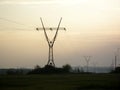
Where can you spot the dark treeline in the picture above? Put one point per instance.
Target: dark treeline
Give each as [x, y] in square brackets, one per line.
[116, 70]
[14, 71]
[48, 69]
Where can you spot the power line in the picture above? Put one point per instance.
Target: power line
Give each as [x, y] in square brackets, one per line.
[28, 28]
[18, 29]
[15, 22]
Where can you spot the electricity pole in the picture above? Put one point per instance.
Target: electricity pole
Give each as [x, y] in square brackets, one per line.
[87, 59]
[116, 57]
[118, 54]
[51, 42]
[115, 61]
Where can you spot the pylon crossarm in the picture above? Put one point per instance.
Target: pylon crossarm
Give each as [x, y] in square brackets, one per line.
[44, 31]
[51, 28]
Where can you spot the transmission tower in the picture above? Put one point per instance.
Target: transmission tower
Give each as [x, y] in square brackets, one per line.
[115, 61]
[87, 59]
[118, 54]
[51, 42]
[116, 57]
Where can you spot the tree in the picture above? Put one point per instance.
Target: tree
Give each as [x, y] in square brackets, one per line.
[117, 70]
[67, 68]
[37, 67]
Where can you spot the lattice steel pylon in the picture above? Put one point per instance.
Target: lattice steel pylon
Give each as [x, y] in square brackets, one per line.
[87, 58]
[51, 42]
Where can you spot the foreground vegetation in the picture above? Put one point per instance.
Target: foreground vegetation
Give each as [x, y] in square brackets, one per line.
[60, 82]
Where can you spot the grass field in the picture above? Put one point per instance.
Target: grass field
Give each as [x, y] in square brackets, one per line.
[60, 82]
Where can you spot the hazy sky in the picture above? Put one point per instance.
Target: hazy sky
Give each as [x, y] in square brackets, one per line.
[93, 29]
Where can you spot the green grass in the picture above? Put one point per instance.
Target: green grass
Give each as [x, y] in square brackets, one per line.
[60, 82]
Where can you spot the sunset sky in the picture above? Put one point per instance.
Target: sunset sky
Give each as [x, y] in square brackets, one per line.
[93, 29]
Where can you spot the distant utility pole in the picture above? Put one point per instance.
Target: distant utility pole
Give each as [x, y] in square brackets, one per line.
[116, 57]
[115, 61]
[118, 54]
[51, 42]
[112, 65]
[87, 59]
[94, 67]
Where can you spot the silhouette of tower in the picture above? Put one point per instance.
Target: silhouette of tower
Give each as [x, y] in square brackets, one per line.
[87, 59]
[51, 42]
